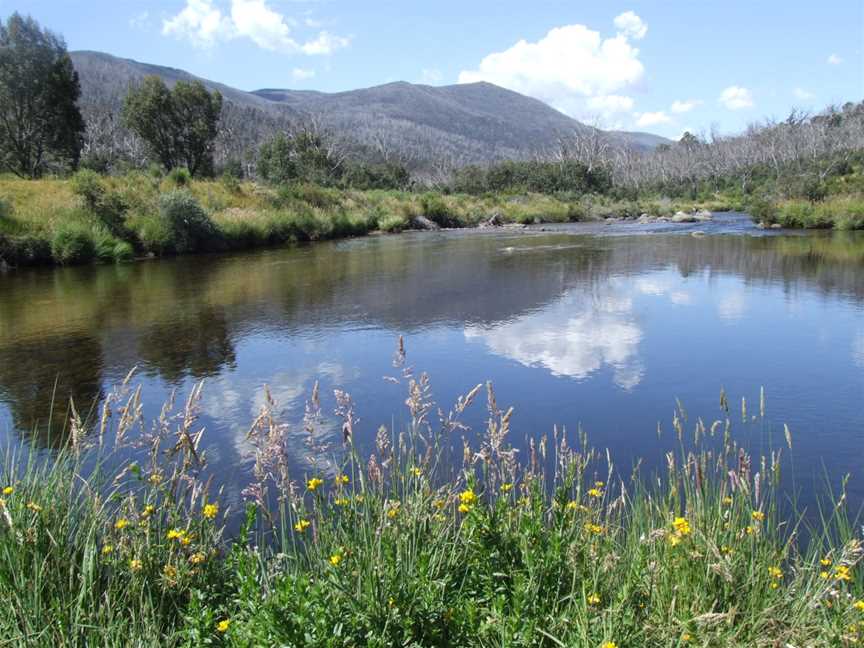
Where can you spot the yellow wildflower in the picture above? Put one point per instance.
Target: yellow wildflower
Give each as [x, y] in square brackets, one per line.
[681, 526]
[341, 501]
[599, 484]
[176, 534]
[858, 605]
[33, 506]
[107, 550]
[186, 540]
[210, 511]
[506, 488]
[825, 562]
[594, 528]
[727, 501]
[439, 504]
[572, 505]
[335, 559]
[342, 480]
[170, 572]
[121, 524]
[725, 550]
[302, 525]
[197, 558]
[593, 599]
[465, 508]
[674, 539]
[775, 572]
[842, 572]
[223, 626]
[314, 483]
[155, 479]
[596, 493]
[774, 585]
[758, 516]
[393, 510]
[686, 637]
[148, 510]
[468, 497]
[609, 644]
[135, 565]
[824, 575]
[748, 530]
[8, 490]
[416, 472]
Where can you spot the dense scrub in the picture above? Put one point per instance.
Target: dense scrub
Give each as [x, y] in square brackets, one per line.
[118, 541]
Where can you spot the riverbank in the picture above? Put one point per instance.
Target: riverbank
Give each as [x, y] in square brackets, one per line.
[92, 218]
[554, 548]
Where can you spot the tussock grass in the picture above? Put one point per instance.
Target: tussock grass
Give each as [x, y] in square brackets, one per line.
[554, 547]
[114, 218]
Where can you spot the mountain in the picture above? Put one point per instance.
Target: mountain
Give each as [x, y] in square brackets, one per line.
[422, 125]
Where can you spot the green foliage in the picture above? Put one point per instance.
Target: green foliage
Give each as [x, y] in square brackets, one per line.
[304, 156]
[533, 176]
[39, 90]
[435, 209]
[179, 125]
[389, 175]
[189, 225]
[72, 243]
[88, 185]
[179, 176]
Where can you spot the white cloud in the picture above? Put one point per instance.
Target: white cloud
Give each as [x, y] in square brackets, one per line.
[801, 93]
[568, 68]
[631, 25]
[301, 74]
[652, 118]
[736, 97]
[834, 59]
[732, 306]
[326, 43]
[199, 22]
[684, 106]
[204, 24]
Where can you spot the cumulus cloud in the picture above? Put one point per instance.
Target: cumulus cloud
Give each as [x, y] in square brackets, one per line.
[204, 24]
[631, 25]
[199, 22]
[736, 98]
[834, 59]
[140, 21]
[573, 68]
[684, 106]
[652, 118]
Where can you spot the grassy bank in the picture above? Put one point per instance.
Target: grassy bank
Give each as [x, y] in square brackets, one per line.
[96, 218]
[843, 212]
[555, 548]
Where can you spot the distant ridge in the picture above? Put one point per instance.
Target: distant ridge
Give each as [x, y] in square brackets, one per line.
[419, 124]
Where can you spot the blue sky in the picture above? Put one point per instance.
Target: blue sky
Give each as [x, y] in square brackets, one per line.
[662, 67]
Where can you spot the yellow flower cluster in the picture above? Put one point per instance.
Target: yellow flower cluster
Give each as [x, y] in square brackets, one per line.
[758, 516]
[593, 599]
[180, 535]
[8, 490]
[302, 525]
[335, 559]
[342, 480]
[467, 500]
[121, 524]
[223, 626]
[842, 573]
[314, 483]
[506, 488]
[680, 530]
[210, 511]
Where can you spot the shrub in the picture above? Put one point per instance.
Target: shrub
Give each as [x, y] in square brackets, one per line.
[72, 243]
[190, 227]
[88, 185]
[180, 176]
[435, 209]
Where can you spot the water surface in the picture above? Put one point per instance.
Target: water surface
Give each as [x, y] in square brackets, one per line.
[598, 326]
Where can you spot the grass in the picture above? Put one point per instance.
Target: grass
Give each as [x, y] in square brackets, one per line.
[94, 218]
[118, 540]
[844, 212]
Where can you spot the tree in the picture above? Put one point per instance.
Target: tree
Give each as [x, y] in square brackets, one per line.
[40, 122]
[179, 126]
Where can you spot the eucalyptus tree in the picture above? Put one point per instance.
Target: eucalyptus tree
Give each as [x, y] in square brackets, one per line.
[40, 123]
